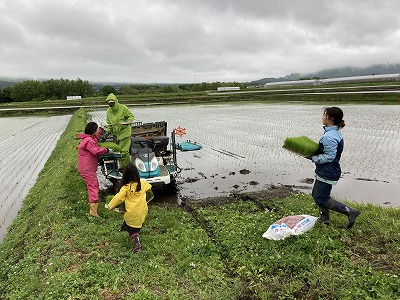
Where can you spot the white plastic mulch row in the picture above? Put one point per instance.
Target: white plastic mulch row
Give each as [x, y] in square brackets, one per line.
[26, 144]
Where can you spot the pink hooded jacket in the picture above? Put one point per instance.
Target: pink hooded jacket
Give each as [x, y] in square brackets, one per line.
[88, 153]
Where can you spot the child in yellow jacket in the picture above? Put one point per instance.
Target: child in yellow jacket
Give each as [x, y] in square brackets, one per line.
[133, 192]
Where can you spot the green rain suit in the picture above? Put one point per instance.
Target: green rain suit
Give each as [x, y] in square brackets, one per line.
[116, 115]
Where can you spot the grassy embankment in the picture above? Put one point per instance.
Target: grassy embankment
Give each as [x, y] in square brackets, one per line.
[55, 251]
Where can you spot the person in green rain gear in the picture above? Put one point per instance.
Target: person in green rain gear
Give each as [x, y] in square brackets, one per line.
[119, 120]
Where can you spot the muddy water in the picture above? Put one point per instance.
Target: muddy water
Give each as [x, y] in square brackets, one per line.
[242, 148]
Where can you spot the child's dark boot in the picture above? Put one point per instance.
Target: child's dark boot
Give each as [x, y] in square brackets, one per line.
[136, 241]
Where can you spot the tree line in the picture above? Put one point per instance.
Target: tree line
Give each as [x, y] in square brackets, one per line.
[58, 89]
[53, 89]
[136, 89]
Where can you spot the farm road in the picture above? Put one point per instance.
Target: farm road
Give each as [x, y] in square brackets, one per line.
[27, 143]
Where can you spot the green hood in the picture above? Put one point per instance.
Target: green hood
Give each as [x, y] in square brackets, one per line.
[117, 114]
[112, 97]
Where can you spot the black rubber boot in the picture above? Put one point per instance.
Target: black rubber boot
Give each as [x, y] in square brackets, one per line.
[324, 215]
[136, 241]
[342, 208]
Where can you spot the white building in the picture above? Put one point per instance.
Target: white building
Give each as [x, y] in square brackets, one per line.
[371, 78]
[228, 88]
[74, 97]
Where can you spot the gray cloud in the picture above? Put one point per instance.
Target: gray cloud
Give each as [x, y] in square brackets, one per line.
[193, 40]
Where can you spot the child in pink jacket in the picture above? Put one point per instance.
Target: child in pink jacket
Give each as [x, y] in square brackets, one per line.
[88, 155]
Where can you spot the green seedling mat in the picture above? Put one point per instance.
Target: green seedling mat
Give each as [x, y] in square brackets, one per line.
[110, 145]
[301, 145]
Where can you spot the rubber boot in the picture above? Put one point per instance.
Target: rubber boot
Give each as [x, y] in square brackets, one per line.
[93, 209]
[324, 215]
[136, 241]
[342, 208]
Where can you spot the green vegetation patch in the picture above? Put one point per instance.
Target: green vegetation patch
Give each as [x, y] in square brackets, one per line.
[301, 145]
[324, 263]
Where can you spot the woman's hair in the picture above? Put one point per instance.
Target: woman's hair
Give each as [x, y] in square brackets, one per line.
[130, 174]
[336, 114]
[91, 128]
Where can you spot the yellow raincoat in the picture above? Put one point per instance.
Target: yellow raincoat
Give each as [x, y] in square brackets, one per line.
[135, 203]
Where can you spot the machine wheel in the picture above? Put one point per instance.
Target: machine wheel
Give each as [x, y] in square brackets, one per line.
[171, 187]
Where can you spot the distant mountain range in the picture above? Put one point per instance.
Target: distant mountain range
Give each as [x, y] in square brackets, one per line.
[5, 82]
[328, 73]
[335, 73]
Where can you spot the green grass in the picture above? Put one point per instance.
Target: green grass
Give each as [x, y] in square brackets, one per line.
[210, 251]
[301, 145]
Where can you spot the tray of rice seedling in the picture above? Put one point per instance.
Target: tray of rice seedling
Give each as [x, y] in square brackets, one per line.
[301, 145]
[110, 155]
[110, 145]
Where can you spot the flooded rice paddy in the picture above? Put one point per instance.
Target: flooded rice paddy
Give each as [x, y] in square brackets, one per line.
[242, 150]
[27, 143]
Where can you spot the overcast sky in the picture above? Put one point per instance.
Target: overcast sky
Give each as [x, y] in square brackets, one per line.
[186, 41]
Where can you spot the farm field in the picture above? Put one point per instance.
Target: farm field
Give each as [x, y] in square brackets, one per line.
[198, 250]
[242, 148]
[27, 142]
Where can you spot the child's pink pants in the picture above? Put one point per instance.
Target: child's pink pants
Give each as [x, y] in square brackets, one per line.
[92, 184]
